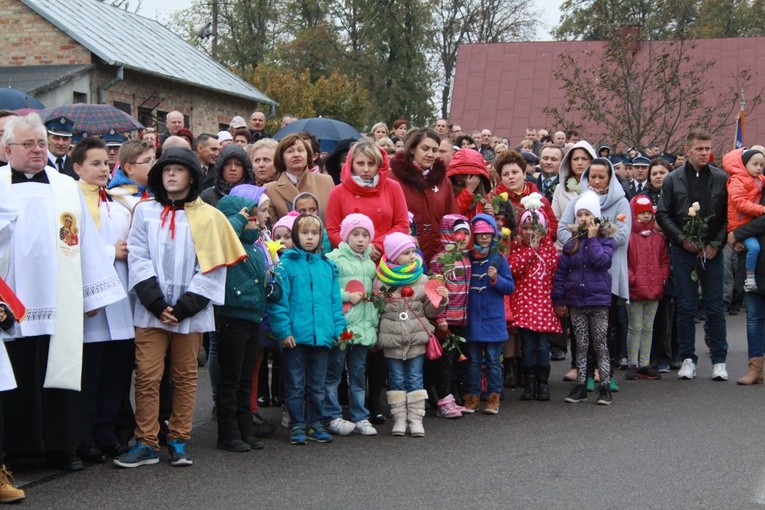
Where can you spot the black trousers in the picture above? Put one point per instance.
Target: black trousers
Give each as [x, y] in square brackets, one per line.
[377, 379]
[106, 376]
[42, 420]
[238, 346]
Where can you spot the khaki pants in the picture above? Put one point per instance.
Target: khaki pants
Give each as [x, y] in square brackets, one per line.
[151, 344]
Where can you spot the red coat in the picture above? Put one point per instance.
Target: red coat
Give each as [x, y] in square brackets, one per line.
[469, 162]
[429, 198]
[533, 272]
[647, 262]
[744, 191]
[515, 199]
[385, 205]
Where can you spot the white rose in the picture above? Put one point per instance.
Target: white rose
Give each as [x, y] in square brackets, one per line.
[691, 212]
[696, 207]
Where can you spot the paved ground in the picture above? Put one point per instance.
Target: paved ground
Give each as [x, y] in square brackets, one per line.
[662, 444]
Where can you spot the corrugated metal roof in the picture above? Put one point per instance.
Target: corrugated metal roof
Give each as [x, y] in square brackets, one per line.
[37, 79]
[122, 38]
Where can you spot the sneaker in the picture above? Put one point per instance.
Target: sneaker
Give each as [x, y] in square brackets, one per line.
[341, 427]
[285, 417]
[472, 402]
[687, 370]
[492, 406]
[377, 419]
[623, 364]
[262, 427]
[318, 433]
[234, 445]
[612, 385]
[578, 394]
[719, 373]
[648, 372]
[139, 455]
[179, 455]
[632, 373]
[750, 284]
[447, 408]
[590, 385]
[604, 395]
[365, 428]
[570, 376]
[297, 435]
[675, 364]
[663, 368]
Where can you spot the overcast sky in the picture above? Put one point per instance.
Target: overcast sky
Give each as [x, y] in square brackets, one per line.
[162, 9]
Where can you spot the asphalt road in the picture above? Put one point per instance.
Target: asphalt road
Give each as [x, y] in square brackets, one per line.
[662, 444]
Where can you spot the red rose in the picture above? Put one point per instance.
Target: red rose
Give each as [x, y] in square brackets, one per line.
[462, 358]
[460, 237]
[407, 291]
[346, 335]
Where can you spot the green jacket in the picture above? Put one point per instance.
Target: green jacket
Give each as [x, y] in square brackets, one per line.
[363, 317]
[246, 282]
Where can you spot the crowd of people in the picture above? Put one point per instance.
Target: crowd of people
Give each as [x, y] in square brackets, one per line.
[435, 267]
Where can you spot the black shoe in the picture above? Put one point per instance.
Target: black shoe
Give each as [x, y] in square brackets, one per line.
[276, 401]
[578, 394]
[234, 445]
[66, 462]
[508, 368]
[543, 388]
[261, 426]
[530, 390]
[557, 355]
[254, 442]
[91, 455]
[604, 395]
[632, 373]
[116, 449]
[377, 419]
[264, 402]
[164, 430]
[648, 372]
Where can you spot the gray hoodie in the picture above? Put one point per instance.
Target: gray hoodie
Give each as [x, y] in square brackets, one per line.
[612, 204]
[562, 196]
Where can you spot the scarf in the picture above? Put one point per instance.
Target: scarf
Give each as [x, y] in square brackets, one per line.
[94, 195]
[479, 253]
[398, 276]
[366, 183]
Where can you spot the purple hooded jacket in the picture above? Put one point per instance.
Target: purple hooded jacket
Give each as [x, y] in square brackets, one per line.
[582, 278]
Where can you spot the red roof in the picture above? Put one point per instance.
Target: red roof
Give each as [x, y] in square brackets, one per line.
[505, 86]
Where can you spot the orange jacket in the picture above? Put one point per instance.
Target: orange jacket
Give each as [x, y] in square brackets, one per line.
[744, 191]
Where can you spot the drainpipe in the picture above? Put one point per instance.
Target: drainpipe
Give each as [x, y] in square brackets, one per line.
[109, 84]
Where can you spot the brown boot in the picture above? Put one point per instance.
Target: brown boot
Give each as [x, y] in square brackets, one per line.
[9, 493]
[754, 376]
[492, 406]
[472, 402]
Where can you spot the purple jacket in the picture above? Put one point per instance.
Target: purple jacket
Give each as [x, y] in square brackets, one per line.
[582, 278]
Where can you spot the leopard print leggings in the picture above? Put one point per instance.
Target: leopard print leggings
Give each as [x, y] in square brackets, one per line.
[591, 324]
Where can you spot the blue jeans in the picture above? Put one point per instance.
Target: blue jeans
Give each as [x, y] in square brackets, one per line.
[304, 371]
[355, 356]
[535, 348]
[755, 323]
[752, 252]
[686, 292]
[475, 353]
[405, 374]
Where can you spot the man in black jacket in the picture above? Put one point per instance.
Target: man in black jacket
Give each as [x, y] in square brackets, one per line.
[697, 189]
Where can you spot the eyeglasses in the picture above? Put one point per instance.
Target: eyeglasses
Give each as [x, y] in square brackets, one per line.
[149, 161]
[31, 144]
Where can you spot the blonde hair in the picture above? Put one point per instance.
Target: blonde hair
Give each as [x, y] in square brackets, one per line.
[306, 221]
[368, 149]
[379, 125]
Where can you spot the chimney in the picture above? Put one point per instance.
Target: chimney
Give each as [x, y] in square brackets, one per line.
[630, 35]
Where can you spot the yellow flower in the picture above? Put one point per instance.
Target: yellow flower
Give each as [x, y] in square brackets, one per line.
[274, 247]
[503, 196]
[505, 231]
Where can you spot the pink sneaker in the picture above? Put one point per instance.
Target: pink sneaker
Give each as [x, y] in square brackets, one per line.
[448, 408]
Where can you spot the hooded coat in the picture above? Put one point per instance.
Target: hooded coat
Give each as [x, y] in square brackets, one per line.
[486, 300]
[385, 204]
[428, 197]
[562, 195]
[458, 280]
[468, 162]
[583, 278]
[221, 188]
[647, 261]
[533, 272]
[362, 317]
[744, 191]
[612, 206]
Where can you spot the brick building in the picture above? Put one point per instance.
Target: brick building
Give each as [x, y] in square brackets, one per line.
[71, 51]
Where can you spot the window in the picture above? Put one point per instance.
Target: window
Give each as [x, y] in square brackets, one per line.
[79, 97]
[161, 119]
[145, 117]
[125, 107]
